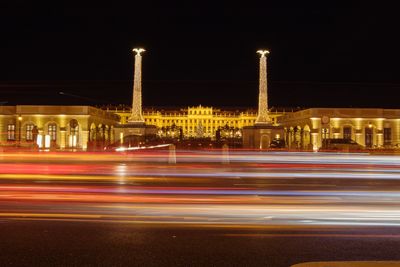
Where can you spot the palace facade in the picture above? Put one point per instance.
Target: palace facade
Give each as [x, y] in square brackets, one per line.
[83, 127]
[197, 121]
[56, 127]
[369, 127]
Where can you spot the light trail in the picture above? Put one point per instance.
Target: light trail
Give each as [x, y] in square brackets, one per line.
[256, 188]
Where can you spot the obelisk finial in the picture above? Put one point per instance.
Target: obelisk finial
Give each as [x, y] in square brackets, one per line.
[263, 117]
[138, 50]
[136, 115]
[263, 52]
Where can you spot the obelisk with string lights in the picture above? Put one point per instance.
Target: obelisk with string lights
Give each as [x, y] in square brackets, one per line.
[136, 113]
[135, 132]
[263, 117]
[264, 132]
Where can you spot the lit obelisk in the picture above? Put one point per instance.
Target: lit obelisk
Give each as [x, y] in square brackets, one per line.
[263, 132]
[263, 117]
[136, 116]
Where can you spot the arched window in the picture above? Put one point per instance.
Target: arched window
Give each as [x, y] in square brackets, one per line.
[347, 132]
[11, 132]
[73, 134]
[29, 132]
[52, 131]
[387, 136]
[73, 124]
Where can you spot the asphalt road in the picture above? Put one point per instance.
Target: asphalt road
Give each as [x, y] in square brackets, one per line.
[60, 243]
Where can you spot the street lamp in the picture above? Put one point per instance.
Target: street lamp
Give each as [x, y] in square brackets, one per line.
[19, 129]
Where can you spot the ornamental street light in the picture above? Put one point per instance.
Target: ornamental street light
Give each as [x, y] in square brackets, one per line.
[19, 129]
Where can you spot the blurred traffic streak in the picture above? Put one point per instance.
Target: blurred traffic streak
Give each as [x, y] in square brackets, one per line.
[255, 188]
[206, 156]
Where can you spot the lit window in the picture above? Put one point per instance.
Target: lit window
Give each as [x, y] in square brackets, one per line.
[52, 130]
[29, 133]
[11, 132]
[74, 133]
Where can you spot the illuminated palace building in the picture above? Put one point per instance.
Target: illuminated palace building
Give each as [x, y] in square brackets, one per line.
[56, 127]
[83, 127]
[369, 127]
[304, 129]
[198, 121]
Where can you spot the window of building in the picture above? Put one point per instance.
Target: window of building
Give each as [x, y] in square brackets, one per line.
[325, 133]
[74, 133]
[369, 136]
[29, 132]
[387, 136]
[347, 132]
[10, 132]
[52, 130]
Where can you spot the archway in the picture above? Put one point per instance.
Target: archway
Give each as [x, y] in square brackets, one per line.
[100, 133]
[307, 138]
[92, 133]
[73, 139]
[291, 137]
[297, 137]
[106, 134]
[265, 141]
[369, 136]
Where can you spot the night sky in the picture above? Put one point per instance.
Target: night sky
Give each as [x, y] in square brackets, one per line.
[322, 54]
